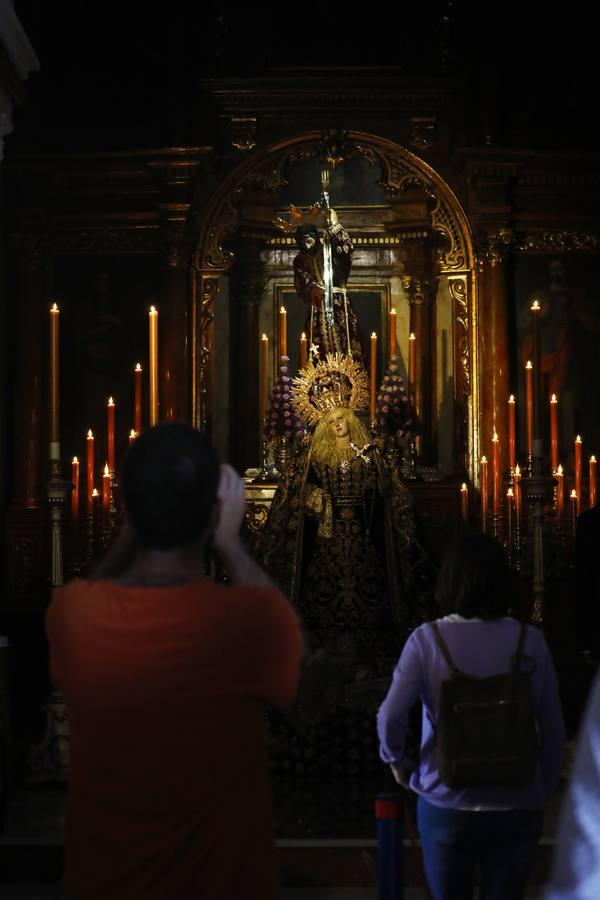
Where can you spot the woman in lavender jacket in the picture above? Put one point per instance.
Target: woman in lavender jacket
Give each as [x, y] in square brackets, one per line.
[499, 827]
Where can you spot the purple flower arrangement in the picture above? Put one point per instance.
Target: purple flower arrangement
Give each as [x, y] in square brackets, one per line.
[395, 413]
[281, 420]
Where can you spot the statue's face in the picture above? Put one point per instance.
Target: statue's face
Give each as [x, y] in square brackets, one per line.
[338, 425]
[308, 242]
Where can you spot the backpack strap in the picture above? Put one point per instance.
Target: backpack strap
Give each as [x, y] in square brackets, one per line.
[518, 654]
[444, 649]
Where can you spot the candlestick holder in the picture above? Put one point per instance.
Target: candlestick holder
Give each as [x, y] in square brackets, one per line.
[57, 491]
[266, 474]
[537, 490]
[282, 453]
[89, 542]
[409, 461]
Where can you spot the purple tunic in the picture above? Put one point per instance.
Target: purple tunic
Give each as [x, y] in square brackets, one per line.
[481, 649]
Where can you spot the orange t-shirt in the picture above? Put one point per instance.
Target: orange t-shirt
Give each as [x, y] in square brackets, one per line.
[166, 690]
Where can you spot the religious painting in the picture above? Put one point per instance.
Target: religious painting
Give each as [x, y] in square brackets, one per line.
[568, 290]
[104, 302]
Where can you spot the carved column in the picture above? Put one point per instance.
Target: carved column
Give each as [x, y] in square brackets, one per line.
[419, 292]
[174, 393]
[27, 540]
[494, 349]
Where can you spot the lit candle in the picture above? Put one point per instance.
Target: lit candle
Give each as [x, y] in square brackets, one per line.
[510, 497]
[106, 489]
[412, 349]
[264, 377]
[553, 432]
[94, 502]
[393, 318]
[90, 468]
[283, 331]
[153, 357]
[529, 399]
[592, 481]
[75, 494]
[484, 493]
[373, 374]
[54, 383]
[537, 380]
[574, 508]
[517, 489]
[132, 436]
[578, 468]
[511, 433]
[303, 351]
[464, 502]
[495, 474]
[111, 434]
[137, 375]
[560, 493]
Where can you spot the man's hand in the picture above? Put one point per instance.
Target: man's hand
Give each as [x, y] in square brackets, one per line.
[232, 501]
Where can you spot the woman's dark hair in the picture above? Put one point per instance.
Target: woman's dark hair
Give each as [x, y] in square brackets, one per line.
[474, 580]
[170, 480]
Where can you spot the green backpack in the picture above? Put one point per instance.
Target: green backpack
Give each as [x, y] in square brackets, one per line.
[486, 729]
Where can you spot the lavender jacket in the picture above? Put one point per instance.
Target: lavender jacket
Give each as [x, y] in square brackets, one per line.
[482, 649]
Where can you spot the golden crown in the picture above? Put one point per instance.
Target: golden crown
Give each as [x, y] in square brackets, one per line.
[298, 217]
[334, 382]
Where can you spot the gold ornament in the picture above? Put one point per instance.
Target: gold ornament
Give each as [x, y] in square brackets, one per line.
[298, 217]
[335, 382]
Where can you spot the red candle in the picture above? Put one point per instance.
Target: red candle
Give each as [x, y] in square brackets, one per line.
[578, 469]
[560, 493]
[517, 489]
[412, 349]
[94, 502]
[574, 510]
[373, 375]
[303, 351]
[75, 494]
[137, 375]
[464, 503]
[111, 434]
[106, 489]
[511, 433]
[554, 432]
[393, 317]
[495, 474]
[484, 493]
[283, 331]
[132, 436]
[592, 481]
[264, 377]
[153, 357]
[510, 497]
[90, 468]
[529, 399]
[537, 379]
[54, 382]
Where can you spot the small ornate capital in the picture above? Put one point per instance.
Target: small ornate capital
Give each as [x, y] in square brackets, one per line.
[493, 248]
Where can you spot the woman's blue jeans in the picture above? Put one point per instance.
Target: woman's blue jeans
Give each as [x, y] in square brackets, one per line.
[453, 841]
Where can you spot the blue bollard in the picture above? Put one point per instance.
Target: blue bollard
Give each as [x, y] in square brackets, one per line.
[389, 812]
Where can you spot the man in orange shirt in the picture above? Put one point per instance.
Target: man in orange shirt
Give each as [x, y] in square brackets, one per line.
[166, 676]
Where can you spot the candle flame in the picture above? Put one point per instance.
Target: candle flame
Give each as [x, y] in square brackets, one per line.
[138, 367]
[373, 335]
[510, 492]
[484, 459]
[133, 433]
[75, 460]
[111, 402]
[392, 311]
[495, 438]
[578, 439]
[265, 338]
[464, 487]
[559, 470]
[592, 459]
[553, 399]
[517, 471]
[283, 311]
[90, 435]
[529, 364]
[106, 471]
[535, 305]
[54, 308]
[95, 493]
[511, 399]
[573, 494]
[153, 310]
[412, 336]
